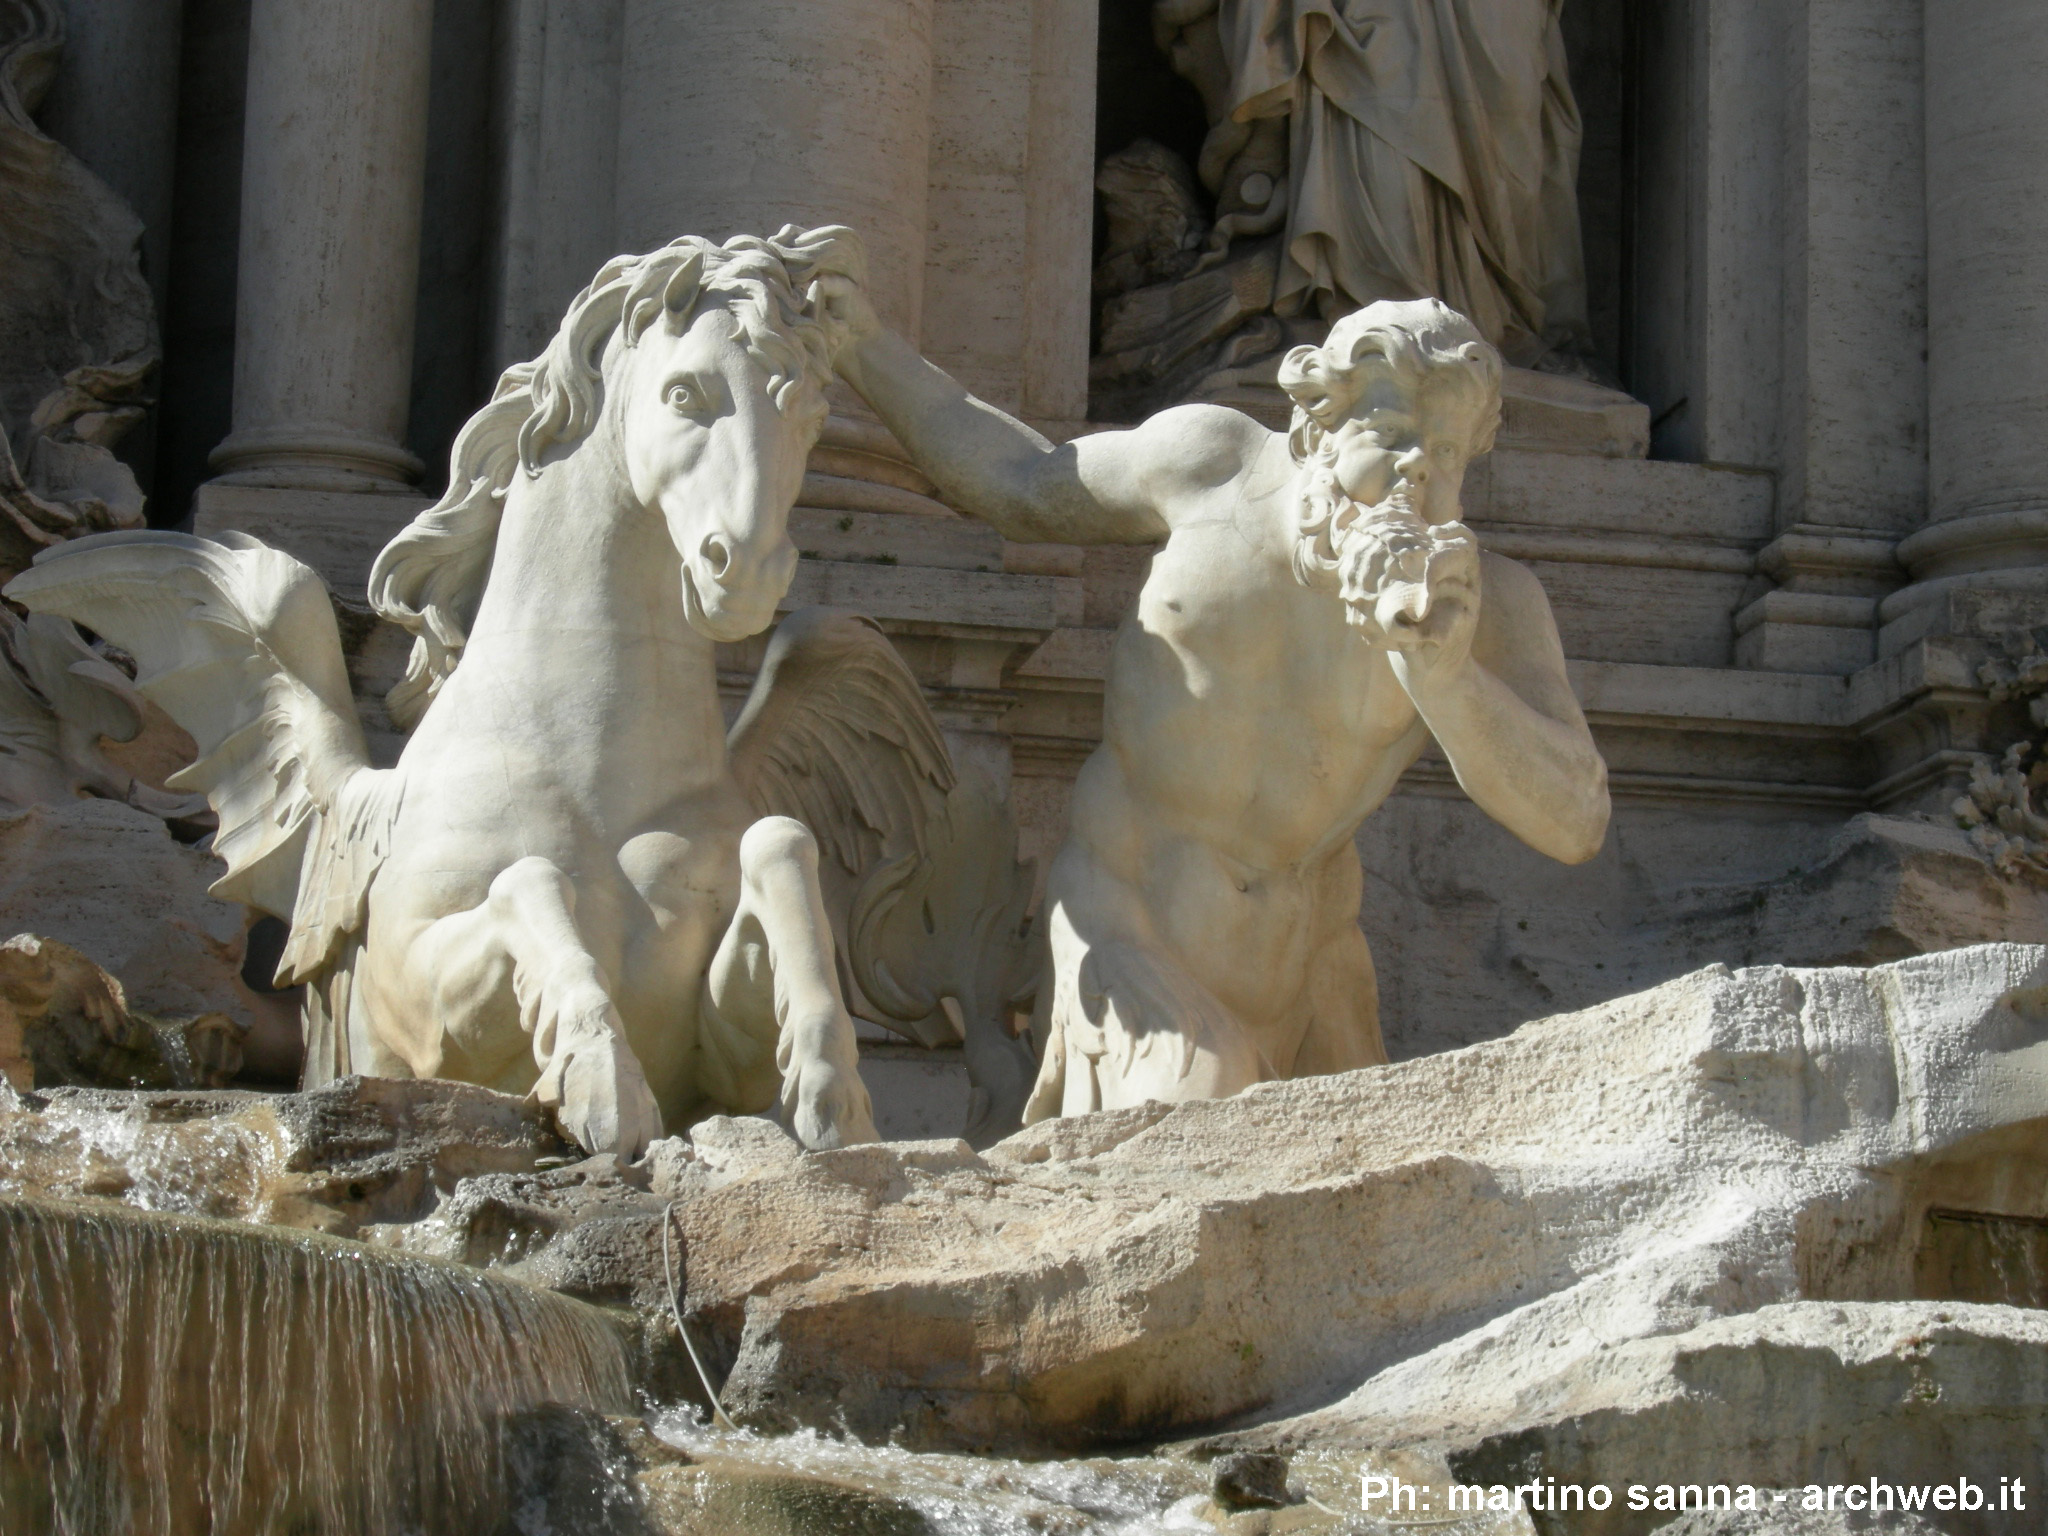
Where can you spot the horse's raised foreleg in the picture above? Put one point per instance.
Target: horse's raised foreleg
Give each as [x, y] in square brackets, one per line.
[524, 939]
[773, 980]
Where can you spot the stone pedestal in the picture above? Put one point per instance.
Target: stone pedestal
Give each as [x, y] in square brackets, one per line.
[1821, 617]
[1987, 288]
[333, 171]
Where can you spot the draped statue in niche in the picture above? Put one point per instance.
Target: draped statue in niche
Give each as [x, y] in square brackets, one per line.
[1358, 150]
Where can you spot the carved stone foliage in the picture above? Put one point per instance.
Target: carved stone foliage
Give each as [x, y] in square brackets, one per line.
[2005, 809]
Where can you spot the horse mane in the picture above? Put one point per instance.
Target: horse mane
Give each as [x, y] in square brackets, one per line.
[431, 578]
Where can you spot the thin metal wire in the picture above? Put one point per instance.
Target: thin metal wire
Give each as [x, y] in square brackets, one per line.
[675, 1305]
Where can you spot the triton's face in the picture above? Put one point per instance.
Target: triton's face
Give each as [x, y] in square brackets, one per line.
[1411, 445]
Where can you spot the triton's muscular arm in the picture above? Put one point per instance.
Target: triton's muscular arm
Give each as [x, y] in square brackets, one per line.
[1505, 716]
[1107, 488]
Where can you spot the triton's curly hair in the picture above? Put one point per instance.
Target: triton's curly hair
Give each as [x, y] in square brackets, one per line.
[1415, 340]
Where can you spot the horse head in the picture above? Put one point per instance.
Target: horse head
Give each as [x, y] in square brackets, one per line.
[717, 373]
[707, 365]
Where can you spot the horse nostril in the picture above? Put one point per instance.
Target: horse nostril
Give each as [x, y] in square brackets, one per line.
[715, 555]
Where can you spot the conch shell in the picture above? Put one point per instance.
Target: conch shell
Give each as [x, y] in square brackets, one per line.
[1392, 565]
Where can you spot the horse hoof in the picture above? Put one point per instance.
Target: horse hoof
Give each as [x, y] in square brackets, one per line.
[829, 1107]
[605, 1104]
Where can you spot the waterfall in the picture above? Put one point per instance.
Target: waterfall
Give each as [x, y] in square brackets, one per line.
[165, 1375]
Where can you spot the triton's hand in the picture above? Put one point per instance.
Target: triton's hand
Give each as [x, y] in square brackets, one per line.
[1429, 649]
[843, 303]
[1410, 588]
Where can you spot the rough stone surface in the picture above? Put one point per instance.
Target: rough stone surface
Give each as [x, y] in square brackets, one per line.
[1459, 963]
[342, 1159]
[1725, 1142]
[65, 1022]
[1766, 1225]
[1795, 1522]
[1250, 1480]
[1795, 1395]
[110, 880]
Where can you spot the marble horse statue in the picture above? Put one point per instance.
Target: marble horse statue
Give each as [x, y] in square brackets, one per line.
[572, 884]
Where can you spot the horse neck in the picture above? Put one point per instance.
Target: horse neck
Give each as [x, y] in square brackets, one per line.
[586, 578]
[575, 551]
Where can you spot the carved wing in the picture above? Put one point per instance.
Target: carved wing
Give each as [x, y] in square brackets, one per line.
[920, 874]
[237, 642]
[837, 734]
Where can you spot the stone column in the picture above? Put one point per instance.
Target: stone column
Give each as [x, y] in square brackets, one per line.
[1848, 416]
[333, 167]
[1987, 290]
[114, 104]
[739, 116]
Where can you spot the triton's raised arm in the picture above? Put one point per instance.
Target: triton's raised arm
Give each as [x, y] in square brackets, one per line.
[1107, 488]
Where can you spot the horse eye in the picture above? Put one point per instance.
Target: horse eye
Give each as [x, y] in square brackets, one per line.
[681, 397]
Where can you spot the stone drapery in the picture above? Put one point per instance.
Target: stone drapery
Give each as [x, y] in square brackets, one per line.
[1435, 148]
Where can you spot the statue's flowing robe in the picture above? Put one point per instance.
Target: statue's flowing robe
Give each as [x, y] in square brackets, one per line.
[1435, 148]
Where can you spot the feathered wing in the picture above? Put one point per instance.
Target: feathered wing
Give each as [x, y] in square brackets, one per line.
[919, 864]
[237, 642]
[836, 733]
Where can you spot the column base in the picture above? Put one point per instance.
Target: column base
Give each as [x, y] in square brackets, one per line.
[330, 459]
[1806, 632]
[2006, 550]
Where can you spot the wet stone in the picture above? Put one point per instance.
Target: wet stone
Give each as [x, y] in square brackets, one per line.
[1250, 1480]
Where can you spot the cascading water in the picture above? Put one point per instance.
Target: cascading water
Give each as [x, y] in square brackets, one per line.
[171, 1374]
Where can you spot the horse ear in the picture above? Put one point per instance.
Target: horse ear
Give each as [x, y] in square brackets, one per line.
[679, 296]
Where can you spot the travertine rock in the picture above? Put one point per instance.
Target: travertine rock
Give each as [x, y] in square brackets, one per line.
[1457, 967]
[64, 1021]
[1794, 1522]
[1808, 1394]
[344, 1158]
[1680, 1220]
[110, 880]
[1490, 1220]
